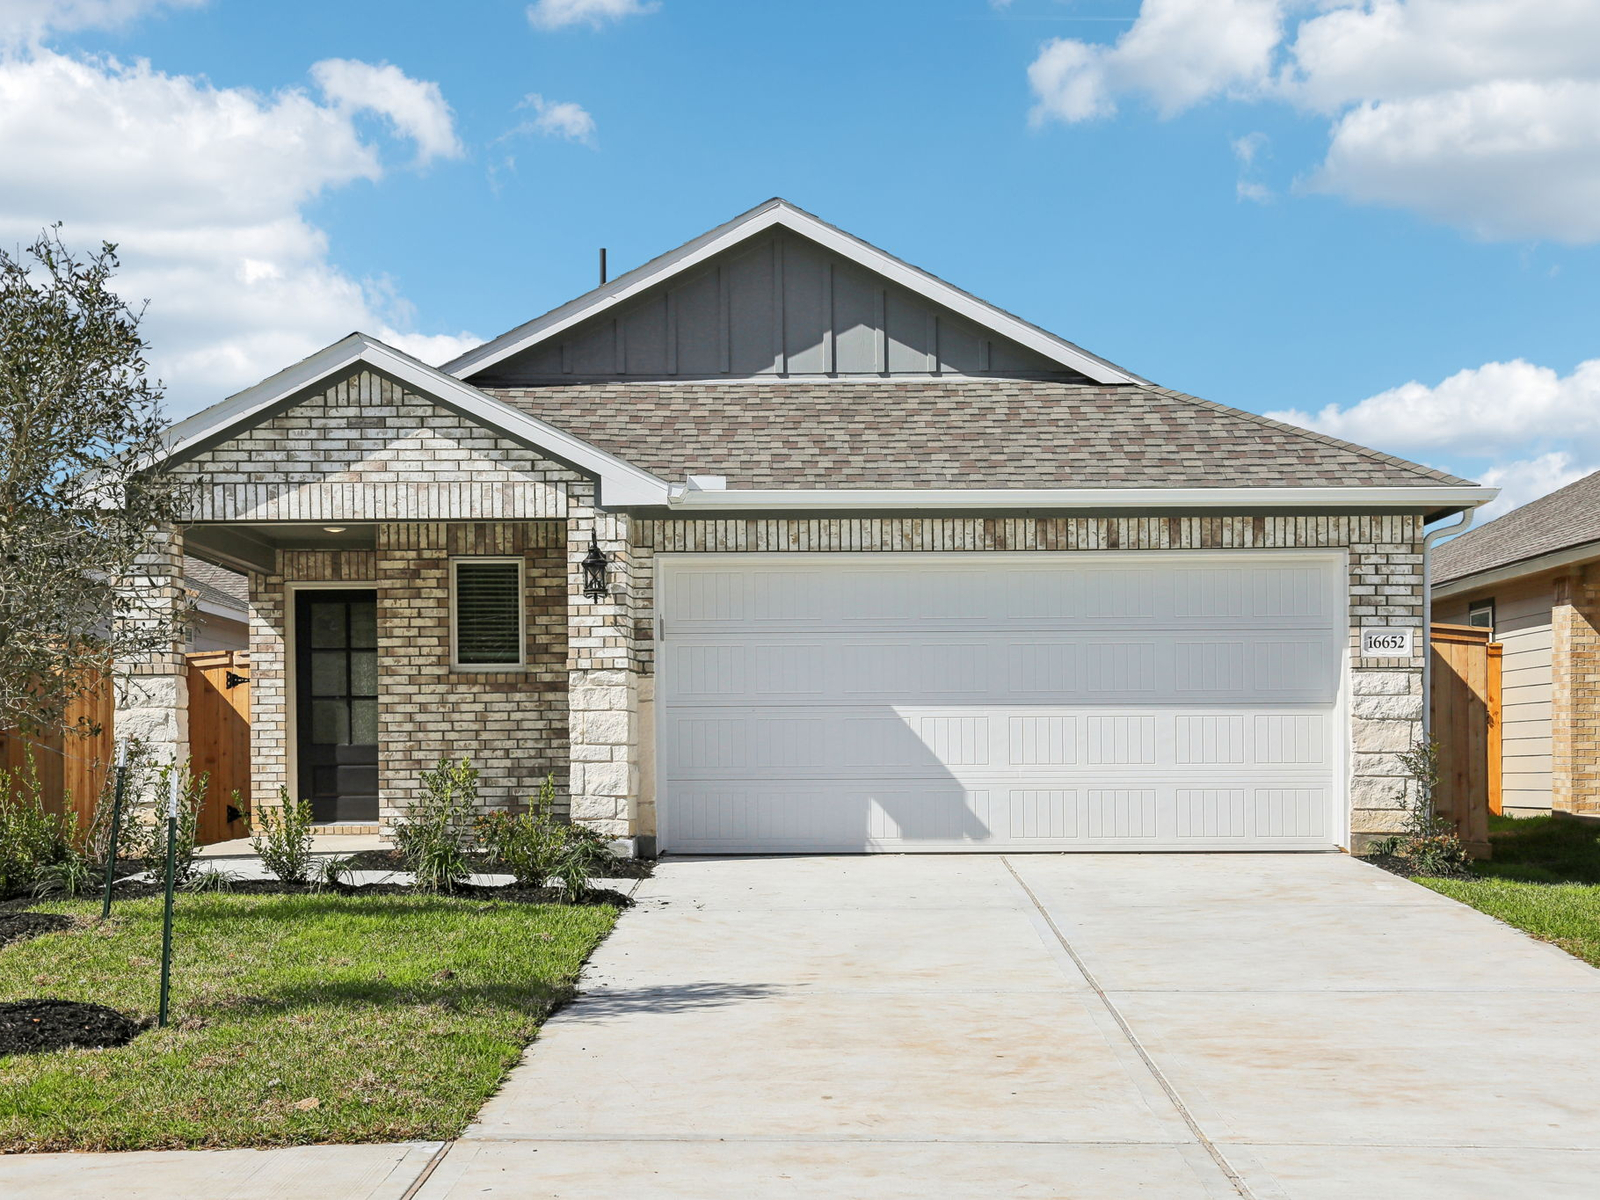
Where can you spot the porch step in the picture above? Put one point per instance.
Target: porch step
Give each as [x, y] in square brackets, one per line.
[341, 828]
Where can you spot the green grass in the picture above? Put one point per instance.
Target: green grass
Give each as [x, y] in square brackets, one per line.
[295, 1019]
[1544, 878]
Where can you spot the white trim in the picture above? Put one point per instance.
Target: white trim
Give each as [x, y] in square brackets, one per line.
[522, 613]
[218, 610]
[1516, 570]
[620, 483]
[778, 213]
[1089, 498]
[291, 675]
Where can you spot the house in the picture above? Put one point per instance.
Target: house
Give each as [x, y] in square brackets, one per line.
[778, 543]
[1532, 577]
[221, 599]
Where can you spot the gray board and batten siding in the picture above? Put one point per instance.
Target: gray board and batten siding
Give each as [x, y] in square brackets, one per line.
[777, 305]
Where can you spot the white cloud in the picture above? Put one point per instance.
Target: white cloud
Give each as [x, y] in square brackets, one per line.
[1247, 150]
[1177, 53]
[1513, 425]
[1477, 113]
[415, 107]
[29, 20]
[203, 188]
[559, 14]
[563, 119]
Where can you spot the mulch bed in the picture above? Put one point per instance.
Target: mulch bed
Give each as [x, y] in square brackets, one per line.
[39, 1026]
[510, 894]
[390, 860]
[15, 927]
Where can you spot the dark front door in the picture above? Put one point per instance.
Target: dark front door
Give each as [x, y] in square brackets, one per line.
[336, 672]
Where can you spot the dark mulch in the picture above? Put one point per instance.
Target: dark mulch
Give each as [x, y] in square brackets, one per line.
[18, 926]
[390, 860]
[510, 894]
[38, 1026]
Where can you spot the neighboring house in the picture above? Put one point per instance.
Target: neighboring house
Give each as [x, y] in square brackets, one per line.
[221, 619]
[885, 568]
[1532, 577]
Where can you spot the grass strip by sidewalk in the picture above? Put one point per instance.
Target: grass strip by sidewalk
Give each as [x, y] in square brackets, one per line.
[296, 1019]
[1544, 878]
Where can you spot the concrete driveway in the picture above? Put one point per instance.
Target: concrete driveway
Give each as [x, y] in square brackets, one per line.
[1078, 1025]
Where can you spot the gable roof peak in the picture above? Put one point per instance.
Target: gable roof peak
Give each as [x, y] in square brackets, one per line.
[779, 212]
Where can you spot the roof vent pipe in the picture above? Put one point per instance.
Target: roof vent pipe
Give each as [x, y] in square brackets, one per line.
[602, 266]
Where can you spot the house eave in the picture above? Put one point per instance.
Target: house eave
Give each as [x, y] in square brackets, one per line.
[1536, 565]
[1434, 501]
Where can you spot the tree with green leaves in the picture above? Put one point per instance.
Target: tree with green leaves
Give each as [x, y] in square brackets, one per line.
[80, 419]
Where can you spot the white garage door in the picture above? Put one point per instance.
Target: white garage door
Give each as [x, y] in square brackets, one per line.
[999, 701]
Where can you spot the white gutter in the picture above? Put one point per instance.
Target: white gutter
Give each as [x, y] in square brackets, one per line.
[1460, 525]
[1087, 498]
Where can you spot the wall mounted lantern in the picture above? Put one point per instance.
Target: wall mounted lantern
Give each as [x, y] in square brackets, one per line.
[595, 563]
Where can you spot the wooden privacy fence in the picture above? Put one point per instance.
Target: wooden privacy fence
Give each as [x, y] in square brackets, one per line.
[1465, 704]
[219, 739]
[72, 769]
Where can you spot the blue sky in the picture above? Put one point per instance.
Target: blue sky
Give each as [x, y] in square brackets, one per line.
[1278, 205]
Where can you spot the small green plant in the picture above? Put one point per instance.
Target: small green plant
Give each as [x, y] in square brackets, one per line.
[432, 837]
[1429, 843]
[332, 873]
[538, 848]
[69, 876]
[33, 840]
[147, 839]
[528, 845]
[281, 837]
[210, 879]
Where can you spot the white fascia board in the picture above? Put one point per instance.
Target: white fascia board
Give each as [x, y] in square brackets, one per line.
[621, 483]
[1427, 498]
[1517, 570]
[779, 213]
[218, 610]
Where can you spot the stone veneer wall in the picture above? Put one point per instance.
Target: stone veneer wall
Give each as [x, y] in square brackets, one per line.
[1385, 571]
[1575, 695]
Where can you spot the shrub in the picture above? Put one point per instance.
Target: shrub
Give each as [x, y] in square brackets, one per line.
[537, 847]
[147, 839]
[284, 841]
[97, 841]
[432, 837]
[33, 840]
[526, 846]
[1429, 844]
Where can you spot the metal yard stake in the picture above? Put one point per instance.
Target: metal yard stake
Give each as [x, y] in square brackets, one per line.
[116, 824]
[173, 799]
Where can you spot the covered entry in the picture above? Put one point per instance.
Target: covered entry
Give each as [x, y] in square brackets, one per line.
[1097, 701]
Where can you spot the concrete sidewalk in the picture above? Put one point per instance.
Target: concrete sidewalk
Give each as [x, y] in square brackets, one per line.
[1100, 1026]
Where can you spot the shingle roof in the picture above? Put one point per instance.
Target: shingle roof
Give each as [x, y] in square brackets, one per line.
[954, 433]
[1565, 518]
[216, 584]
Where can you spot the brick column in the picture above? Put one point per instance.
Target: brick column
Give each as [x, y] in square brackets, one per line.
[153, 691]
[1575, 695]
[602, 679]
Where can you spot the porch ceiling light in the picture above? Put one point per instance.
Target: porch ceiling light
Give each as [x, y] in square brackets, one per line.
[595, 563]
[333, 529]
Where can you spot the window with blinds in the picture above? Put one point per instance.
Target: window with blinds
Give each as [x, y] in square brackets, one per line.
[488, 612]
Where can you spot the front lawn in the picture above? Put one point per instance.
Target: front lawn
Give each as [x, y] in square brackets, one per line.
[295, 1018]
[1544, 878]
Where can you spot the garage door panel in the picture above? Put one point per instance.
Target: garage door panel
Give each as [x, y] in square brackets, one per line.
[883, 702]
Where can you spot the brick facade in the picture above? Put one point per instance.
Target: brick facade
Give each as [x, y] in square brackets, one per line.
[1575, 695]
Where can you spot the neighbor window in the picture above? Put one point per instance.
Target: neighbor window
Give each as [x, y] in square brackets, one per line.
[1481, 614]
[486, 610]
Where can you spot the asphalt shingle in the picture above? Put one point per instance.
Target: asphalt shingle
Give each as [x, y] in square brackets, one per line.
[1565, 518]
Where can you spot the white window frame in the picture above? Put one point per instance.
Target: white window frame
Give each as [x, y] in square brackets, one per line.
[521, 662]
[1480, 606]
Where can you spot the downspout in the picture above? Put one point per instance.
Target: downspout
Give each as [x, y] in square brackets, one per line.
[1428, 539]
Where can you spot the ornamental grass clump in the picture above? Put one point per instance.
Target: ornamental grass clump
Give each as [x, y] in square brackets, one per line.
[432, 837]
[283, 842]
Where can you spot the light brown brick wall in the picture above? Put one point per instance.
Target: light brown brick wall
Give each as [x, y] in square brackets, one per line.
[1575, 695]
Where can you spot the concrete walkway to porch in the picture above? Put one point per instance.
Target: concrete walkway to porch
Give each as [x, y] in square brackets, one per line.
[1272, 1026]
